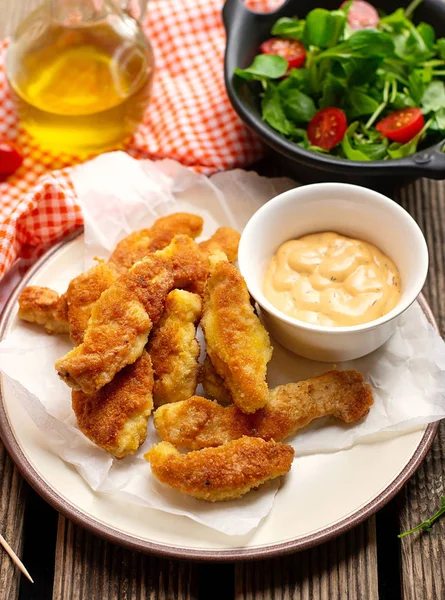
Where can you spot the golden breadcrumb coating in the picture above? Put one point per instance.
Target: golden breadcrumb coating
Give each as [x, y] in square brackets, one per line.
[212, 383]
[115, 418]
[76, 303]
[45, 307]
[83, 292]
[223, 473]
[122, 318]
[237, 343]
[225, 239]
[174, 349]
[138, 244]
[199, 423]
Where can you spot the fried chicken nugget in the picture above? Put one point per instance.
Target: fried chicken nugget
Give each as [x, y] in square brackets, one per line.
[212, 383]
[45, 307]
[115, 418]
[122, 318]
[225, 239]
[199, 423]
[174, 349]
[42, 306]
[83, 292]
[137, 245]
[223, 473]
[237, 343]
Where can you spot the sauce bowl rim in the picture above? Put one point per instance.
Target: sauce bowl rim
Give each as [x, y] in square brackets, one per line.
[297, 194]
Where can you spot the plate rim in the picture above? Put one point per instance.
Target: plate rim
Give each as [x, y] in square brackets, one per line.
[115, 536]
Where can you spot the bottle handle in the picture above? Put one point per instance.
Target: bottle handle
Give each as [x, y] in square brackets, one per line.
[136, 9]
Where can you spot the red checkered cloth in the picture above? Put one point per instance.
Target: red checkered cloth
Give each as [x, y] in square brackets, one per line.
[189, 119]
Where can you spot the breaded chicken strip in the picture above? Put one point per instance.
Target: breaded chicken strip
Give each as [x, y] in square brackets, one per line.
[223, 473]
[123, 317]
[212, 383]
[43, 306]
[199, 423]
[115, 418]
[174, 349]
[83, 292]
[137, 245]
[225, 239]
[237, 343]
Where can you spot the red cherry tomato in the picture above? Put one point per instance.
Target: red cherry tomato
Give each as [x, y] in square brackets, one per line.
[402, 125]
[292, 50]
[10, 158]
[362, 15]
[327, 128]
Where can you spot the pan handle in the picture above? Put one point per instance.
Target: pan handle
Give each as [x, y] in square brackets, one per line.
[430, 163]
[234, 11]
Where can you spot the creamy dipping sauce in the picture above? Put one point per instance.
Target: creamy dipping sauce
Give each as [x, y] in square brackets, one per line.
[332, 280]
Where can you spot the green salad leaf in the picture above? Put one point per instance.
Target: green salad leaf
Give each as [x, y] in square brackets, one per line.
[365, 44]
[360, 144]
[368, 74]
[428, 35]
[297, 105]
[273, 112]
[440, 47]
[296, 78]
[334, 91]
[323, 27]
[264, 66]
[433, 98]
[439, 121]
[362, 104]
[289, 28]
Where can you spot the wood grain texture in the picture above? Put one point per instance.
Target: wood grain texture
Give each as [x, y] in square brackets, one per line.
[343, 569]
[88, 568]
[422, 564]
[12, 508]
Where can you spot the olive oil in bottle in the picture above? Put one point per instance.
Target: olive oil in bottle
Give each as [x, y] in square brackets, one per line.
[81, 74]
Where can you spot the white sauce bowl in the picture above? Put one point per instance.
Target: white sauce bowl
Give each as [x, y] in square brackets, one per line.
[350, 210]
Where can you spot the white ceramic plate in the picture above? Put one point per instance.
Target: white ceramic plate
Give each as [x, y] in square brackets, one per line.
[357, 482]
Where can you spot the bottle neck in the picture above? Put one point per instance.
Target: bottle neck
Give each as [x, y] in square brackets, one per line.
[75, 12]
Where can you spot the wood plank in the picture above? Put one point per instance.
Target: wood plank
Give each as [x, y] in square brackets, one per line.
[422, 565]
[12, 508]
[89, 568]
[343, 568]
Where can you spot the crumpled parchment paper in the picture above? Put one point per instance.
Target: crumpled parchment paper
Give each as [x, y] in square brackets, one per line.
[118, 195]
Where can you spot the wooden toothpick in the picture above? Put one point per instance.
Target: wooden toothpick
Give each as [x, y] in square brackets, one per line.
[15, 558]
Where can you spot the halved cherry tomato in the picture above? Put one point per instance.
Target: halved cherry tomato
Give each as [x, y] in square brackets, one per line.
[362, 15]
[292, 50]
[327, 128]
[10, 158]
[402, 125]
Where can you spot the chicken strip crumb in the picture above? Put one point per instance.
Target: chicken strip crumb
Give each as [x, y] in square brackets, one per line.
[224, 473]
[122, 318]
[174, 349]
[199, 423]
[237, 342]
[115, 418]
[45, 307]
[225, 239]
[137, 245]
[83, 292]
[213, 384]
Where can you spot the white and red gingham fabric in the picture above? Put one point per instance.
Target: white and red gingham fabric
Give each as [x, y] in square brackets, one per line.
[189, 119]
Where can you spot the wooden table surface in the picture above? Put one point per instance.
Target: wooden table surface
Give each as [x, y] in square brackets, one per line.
[367, 563]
